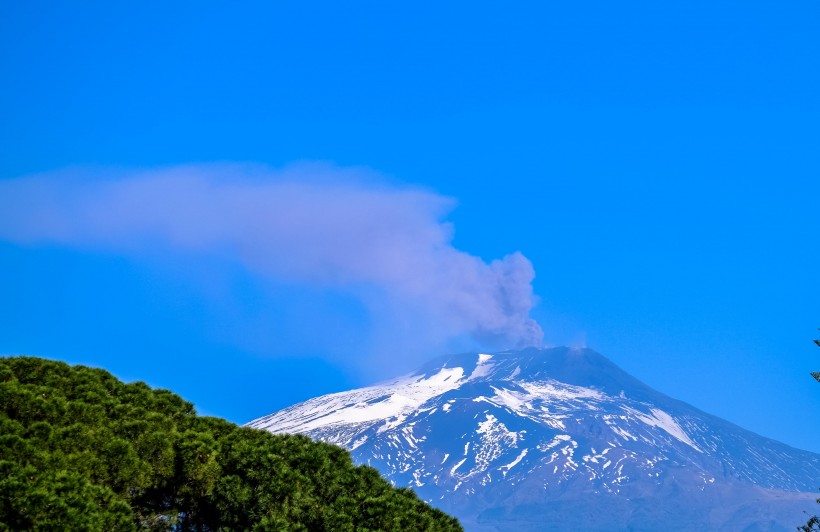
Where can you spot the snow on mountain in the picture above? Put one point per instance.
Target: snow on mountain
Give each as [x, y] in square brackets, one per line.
[560, 439]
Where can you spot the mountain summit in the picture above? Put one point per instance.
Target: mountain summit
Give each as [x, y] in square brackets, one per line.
[560, 439]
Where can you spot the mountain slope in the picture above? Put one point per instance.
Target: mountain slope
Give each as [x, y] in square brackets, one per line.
[560, 439]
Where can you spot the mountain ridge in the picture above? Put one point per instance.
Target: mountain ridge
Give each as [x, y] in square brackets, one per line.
[543, 431]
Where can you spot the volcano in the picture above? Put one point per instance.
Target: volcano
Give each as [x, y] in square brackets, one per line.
[560, 439]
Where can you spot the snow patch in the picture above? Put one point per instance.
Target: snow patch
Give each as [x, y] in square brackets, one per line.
[506, 468]
[510, 399]
[390, 402]
[453, 470]
[659, 418]
[557, 391]
[483, 368]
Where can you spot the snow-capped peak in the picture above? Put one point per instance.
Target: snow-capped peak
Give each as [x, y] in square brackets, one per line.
[481, 431]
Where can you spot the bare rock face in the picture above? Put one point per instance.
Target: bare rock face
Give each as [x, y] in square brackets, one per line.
[560, 439]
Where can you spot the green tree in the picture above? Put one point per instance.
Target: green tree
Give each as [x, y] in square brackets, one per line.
[80, 450]
[814, 522]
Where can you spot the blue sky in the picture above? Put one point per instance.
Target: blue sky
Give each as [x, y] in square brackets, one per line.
[657, 164]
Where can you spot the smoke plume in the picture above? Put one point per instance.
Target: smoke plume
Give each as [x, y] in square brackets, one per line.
[341, 229]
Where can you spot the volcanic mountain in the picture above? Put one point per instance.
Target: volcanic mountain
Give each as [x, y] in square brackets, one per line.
[560, 439]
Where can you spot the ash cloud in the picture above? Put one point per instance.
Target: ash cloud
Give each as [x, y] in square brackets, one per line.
[342, 229]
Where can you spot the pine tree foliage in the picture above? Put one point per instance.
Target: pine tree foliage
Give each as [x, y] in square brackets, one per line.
[816, 374]
[814, 522]
[80, 450]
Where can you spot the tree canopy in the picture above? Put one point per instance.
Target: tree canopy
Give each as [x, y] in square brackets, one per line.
[81, 450]
[814, 522]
